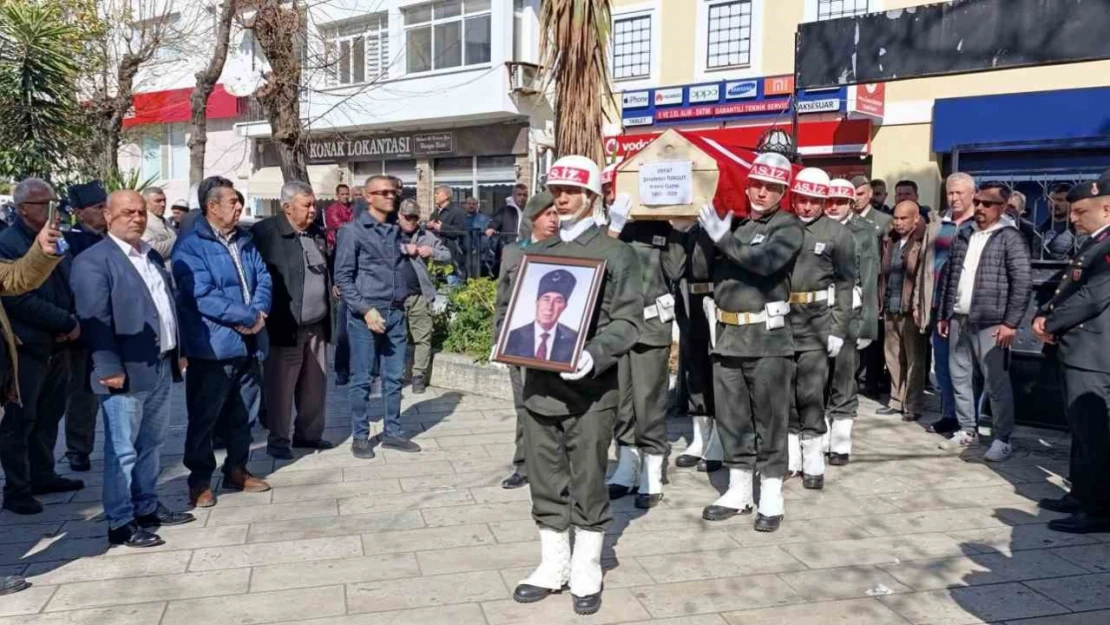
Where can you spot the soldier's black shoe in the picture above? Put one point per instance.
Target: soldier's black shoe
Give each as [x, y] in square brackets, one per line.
[25, 505]
[516, 480]
[720, 513]
[685, 462]
[1066, 504]
[767, 523]
[527, 593]
[813, 482]
[943, 426]
[589, 604]
[838, 460]
[616, 491]
[886, 411]
[1081, 523]
[709, 466]
[644, 501]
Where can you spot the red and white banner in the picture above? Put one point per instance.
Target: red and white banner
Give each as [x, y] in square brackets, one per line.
[817, 138]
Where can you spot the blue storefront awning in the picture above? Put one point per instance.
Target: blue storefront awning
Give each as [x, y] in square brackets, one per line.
[988, 122]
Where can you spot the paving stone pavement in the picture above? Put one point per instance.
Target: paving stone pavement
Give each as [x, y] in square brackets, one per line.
[905, 534]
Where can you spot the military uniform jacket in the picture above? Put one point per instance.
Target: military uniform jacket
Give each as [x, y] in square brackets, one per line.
[865, 321]
[752, 267]
[506, 278]
[616, 323]
[658, 248]
[828, 257]
[1078, 315]
[878, 220]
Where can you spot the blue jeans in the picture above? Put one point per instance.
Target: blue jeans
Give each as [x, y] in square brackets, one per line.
[134, 429]
[944, 374]
[384, 353]
[342, 343]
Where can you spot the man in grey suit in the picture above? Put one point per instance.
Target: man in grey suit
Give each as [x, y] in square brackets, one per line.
[546, 338]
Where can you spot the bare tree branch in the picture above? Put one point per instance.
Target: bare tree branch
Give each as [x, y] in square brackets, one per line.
[205, 85]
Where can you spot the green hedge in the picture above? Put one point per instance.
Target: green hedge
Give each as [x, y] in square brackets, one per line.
[465, 326]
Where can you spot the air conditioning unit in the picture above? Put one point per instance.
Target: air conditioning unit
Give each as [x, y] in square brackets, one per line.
[524, 78]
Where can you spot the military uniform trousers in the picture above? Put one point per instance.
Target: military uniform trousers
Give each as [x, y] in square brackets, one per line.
[644, 381]
[567, 457]
[752, 411]
[807, 411]
[843, 389]
[697, 372]
[1088, 402]
[516, 379]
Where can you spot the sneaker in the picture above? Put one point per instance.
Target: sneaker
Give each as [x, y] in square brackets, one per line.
[961, 440]
[362, 448]
[399, 443]
[999, 451]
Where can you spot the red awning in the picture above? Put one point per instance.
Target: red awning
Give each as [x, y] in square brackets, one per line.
[819, 138]
[167, 107]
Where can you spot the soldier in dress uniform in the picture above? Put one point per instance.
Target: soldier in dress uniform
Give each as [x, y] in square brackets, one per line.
[1077, 320]
[644, 371]
[540, 212]
[843, 390]
[820, 312]
[872, 358]
[753, 366]
[570, 416]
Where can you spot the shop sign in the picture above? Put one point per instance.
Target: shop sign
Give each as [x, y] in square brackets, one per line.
[778, 85]
[743, 90]
[373, 148]
[827, 105]
[667, 97]
[723, 110]
[644, 120]
[868, 100]
[704, 93]
[636, 99]
[666, 183]
[491, 140]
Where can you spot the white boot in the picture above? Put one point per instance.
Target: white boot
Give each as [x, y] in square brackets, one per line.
[739, 493]
[699, 439]
[813, 459]
[628, 467]
[770, 496]
[554, 570]
[651, 474]
[713, 451]
[794, 454]
[825, 437]
[585, 566]
[840, 436]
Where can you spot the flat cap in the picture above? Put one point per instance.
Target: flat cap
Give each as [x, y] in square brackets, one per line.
[559, 281]
[1088, 190]
[859, 181]
[537, 204]
[86, 195]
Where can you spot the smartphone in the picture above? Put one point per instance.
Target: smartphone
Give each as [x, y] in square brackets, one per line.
[51, 213]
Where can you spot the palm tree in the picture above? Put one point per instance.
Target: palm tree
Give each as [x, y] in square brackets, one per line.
[575, 50]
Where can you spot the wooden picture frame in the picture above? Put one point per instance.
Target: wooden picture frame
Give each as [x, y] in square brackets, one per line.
[556, 296]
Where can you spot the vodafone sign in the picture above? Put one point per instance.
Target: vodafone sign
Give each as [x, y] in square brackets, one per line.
[868, 100]
[816, 138]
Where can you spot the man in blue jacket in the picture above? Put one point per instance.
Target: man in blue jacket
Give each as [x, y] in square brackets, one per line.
[223, 299]
[129, 326]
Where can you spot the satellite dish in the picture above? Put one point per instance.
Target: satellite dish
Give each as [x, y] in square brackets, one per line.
[240, 79]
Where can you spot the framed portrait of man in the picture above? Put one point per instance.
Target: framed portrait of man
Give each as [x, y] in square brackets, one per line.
[550, 312]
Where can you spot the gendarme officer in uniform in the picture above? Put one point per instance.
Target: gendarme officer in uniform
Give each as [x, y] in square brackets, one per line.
[753, 367]
[820, 313]
[644, 372]
[540, 213]
[843, 389]
[1077, 319]
[571, 415]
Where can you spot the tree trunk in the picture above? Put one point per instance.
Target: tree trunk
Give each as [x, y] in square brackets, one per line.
[206, 84]
[276, 29]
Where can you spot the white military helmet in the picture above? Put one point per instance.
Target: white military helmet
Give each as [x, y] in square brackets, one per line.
[812, 182]
[575, 171]
[771, 167]
[841, 188]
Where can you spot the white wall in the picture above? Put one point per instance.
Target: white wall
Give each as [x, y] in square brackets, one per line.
[227, 154]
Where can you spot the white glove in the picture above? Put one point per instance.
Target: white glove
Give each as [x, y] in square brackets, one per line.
[713, 225]
[618, 212]
[862, 343]
[834, 345]
[585, 366]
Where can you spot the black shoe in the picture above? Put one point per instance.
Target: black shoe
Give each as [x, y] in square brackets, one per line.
[910, 416]
[720, 513]
[342, 380]
[1066, 504]
[527, 593]
[516, 480]
[685, 462]
[616, 491]
[11, 584]
[813, 482]
[838, 460]
[131, 535]
[397, 443]
[645, 501]
[320, 444]
[767, 523]
[164, 516]
[79, 462]
[589, 604]
[709, 466]
[419, 384]
[1081, 523]
[944, 425]
[887, 411]
[58, 484]
[279, 453]
[362, 448]
[22, 505]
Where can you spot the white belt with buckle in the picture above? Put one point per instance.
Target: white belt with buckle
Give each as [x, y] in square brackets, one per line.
[741, 318]
[809, 297]
[651, 312]
[701, 288]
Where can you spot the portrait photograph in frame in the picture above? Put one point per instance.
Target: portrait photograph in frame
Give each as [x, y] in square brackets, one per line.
[550, 312]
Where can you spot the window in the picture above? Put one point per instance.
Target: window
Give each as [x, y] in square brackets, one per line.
[632, 47]
[151, 158]
[834, 9]
[446, 34]
[730, 35]
[179, 152]
[358, 51]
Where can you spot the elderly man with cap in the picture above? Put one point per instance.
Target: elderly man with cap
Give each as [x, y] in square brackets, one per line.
[1077, 320]
[843, 391]
[421, 247]
[571, 415]
[872, 358]
[545, 338]
[87, 202]
[753, 366]
[177, 212]
[820, 313]
[543, 223]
